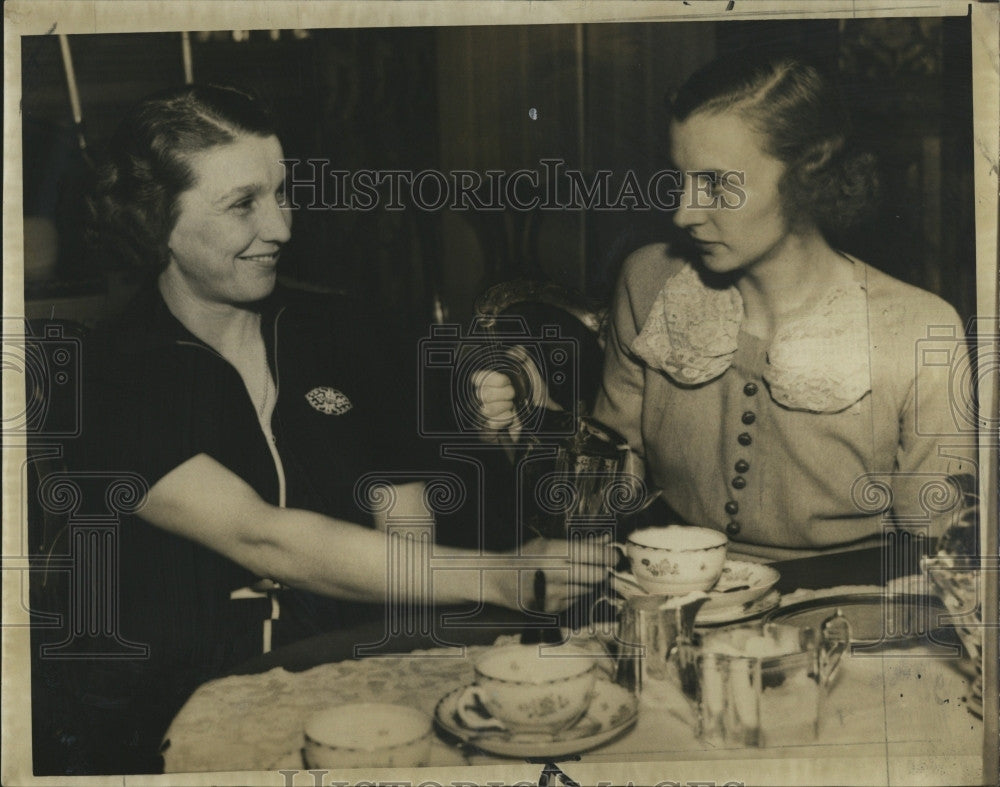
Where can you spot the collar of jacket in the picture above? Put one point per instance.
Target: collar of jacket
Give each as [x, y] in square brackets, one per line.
[148, 324]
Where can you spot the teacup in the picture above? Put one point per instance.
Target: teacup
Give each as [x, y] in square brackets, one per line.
[527, 688]
[675, 559]
[367, 734]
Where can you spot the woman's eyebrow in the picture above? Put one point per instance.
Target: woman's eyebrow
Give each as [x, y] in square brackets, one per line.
[241, 191]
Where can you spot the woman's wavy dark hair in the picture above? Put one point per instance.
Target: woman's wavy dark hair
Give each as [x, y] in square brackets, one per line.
[802, 117]
[133, 202]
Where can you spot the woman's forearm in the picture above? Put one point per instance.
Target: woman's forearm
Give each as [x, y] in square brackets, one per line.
[337, 558]
[207, 503]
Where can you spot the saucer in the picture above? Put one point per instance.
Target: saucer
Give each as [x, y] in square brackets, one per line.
[725, 605]
[612, 711]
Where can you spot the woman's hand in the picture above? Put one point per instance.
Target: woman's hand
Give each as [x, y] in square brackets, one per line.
[497, 397]
[564, 575]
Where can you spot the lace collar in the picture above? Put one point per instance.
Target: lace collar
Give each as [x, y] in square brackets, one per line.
[818, 361]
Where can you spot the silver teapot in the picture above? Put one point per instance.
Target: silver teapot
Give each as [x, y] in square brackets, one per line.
[649, 630]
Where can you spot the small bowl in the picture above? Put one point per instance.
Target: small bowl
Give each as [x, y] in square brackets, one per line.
[676, 559]
[368, 734]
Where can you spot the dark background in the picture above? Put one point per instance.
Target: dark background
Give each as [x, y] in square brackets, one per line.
[459, 98]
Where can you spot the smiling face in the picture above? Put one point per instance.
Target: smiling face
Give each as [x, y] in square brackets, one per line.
[230, 227]
[729, 236]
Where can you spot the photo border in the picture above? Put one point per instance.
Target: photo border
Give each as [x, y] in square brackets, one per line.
[33, 18]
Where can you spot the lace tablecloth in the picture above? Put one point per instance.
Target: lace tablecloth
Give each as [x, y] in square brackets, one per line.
[255, 722]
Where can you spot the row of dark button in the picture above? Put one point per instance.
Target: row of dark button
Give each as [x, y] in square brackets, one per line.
[742, 465]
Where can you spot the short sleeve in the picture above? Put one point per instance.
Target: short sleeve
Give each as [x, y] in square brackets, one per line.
[148, 412]
[620, 397]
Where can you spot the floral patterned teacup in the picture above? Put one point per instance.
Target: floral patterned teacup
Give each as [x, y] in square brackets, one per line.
[675, 559]
[530, 689]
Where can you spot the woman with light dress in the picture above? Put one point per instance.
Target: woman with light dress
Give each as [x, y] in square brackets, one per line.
[775, 386]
